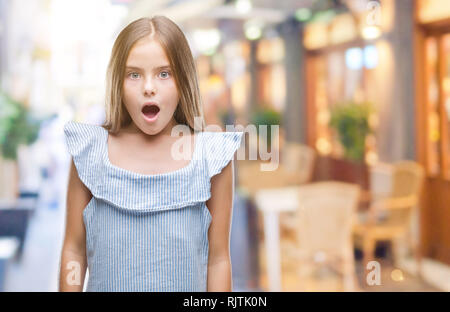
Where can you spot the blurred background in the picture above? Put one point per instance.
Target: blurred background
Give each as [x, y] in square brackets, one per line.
[360, 91]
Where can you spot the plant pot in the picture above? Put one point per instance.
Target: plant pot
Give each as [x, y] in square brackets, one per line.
[338, 169]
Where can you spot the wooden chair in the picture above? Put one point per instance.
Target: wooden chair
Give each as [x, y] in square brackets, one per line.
[395, 195]
[298, 162]
[296, 167]
[325, 216]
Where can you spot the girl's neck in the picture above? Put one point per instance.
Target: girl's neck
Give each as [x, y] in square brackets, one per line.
[133, 130]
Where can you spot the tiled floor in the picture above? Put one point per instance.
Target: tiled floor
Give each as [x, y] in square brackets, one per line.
[323, 279]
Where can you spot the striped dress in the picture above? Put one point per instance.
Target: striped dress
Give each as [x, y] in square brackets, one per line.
[147, 232]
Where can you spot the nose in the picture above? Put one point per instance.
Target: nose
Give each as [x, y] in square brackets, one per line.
[149, 87]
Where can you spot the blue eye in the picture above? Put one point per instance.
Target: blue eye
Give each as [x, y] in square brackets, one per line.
[165, 72]
[134, 77]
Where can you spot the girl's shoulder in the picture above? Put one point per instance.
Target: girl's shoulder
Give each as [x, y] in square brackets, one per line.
[219, 149]
[85, 143]
[77, 130]
[79, 136]
[219, 144]
[84, 140]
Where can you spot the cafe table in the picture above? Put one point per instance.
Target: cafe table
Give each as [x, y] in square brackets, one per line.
[271, 202]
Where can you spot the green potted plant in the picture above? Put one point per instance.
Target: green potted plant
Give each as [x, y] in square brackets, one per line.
[351, 122]
[17, 127]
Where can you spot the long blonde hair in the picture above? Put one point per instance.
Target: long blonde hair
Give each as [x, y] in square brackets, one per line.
[176, 47]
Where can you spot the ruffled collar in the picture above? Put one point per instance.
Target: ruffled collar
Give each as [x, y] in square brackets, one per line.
[141, 192]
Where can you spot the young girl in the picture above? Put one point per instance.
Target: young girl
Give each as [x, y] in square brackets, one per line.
[138, 217]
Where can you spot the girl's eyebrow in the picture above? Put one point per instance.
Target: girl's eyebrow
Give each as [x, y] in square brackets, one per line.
[156, 68]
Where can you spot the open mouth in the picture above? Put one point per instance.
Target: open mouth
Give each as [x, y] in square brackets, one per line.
[150, 111]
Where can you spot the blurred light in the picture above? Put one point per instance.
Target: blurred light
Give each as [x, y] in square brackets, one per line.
[316, 35]
[433, 121]
[354, 58]
[253, 30]
[323, 146]
[397, 275]
[215, 85]
[446, 84]
[253, 33]
[207, 41]
[8, 247]
[323, 117]
[370, 57]
[243, 6]
[371, 32]
[215, 80]
[371, 158]
[80, 51]
[303, 14]
[239, 92]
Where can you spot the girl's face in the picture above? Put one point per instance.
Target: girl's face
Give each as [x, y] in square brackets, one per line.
[150, 94]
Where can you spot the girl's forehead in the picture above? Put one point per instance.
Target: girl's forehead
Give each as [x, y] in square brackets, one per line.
[146, 52]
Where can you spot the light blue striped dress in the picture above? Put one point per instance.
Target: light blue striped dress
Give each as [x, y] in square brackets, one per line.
[147, 232]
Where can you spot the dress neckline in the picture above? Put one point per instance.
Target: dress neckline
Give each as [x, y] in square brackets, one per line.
[141, 175]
